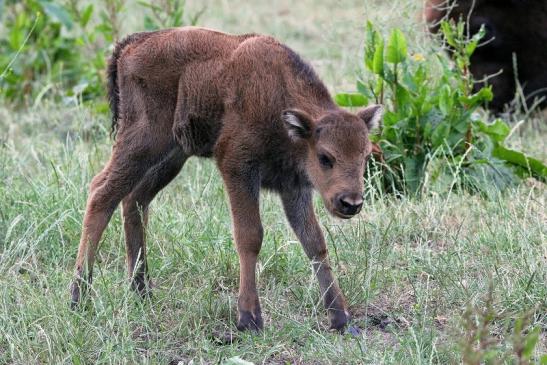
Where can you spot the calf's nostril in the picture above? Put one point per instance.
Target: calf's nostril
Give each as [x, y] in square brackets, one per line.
[344, 203]
[350, 205]
[358, 202]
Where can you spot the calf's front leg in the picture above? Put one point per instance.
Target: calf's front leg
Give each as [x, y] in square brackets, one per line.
[298, 207]
[243, 192]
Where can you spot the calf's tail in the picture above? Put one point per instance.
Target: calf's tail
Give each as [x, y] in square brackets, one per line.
[112, 76]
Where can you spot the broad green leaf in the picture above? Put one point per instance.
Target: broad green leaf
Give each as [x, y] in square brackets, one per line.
[86, 15]
[498, 130]
[402, 99]
[413, 173]
[489, 175]
[445, 100]
[460, 29]
[57, 13]
[396, 47]
[470, 48]
[483, 95]
[351, 99]
[448, 33]
[429, 121]
[378, 60]
[375, 138]
[390, 134]
[374, 50]
[409, 80]
[79, 41]
[535, 167]
[364, 89]
[370, 45]
[16, 37]
[390, 118]
[474, 41]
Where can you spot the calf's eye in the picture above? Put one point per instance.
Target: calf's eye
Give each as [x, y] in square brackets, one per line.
[325, 161]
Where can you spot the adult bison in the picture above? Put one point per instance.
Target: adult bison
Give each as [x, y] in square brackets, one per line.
[513, 27]
[256, 107]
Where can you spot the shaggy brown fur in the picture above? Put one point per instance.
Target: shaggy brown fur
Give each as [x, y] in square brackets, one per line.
[267, 119]
[512, 27]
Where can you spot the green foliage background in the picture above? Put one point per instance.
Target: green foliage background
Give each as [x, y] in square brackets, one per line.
[58, 49]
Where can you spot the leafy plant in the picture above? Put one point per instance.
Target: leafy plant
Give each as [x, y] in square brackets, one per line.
[50, 45]
[63, 45]
[431, 129]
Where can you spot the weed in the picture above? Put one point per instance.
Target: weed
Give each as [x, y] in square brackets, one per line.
[433, 135]
[59, 48]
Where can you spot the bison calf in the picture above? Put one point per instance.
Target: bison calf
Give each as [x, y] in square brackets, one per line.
[256, 107]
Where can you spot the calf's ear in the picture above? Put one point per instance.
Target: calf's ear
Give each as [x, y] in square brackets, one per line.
[298, 123]
[371, 115]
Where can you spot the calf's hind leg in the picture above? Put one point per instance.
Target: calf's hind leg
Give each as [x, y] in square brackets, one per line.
[135, 215]
[128, 164]
[298, 207]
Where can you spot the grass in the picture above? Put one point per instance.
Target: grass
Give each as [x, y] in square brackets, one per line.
[409, 267]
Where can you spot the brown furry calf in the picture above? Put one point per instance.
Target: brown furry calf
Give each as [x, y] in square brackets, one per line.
[267, 119]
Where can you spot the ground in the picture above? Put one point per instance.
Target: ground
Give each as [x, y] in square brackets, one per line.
[410, 267]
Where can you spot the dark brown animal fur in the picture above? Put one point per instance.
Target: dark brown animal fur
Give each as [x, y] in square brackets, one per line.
[512, 27]
[267, 119]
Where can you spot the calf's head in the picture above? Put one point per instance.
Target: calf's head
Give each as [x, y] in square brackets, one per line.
[337, 147]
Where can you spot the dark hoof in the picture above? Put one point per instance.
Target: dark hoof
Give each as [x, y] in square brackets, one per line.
[248, 321]
[339, 320]
[77, 291]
